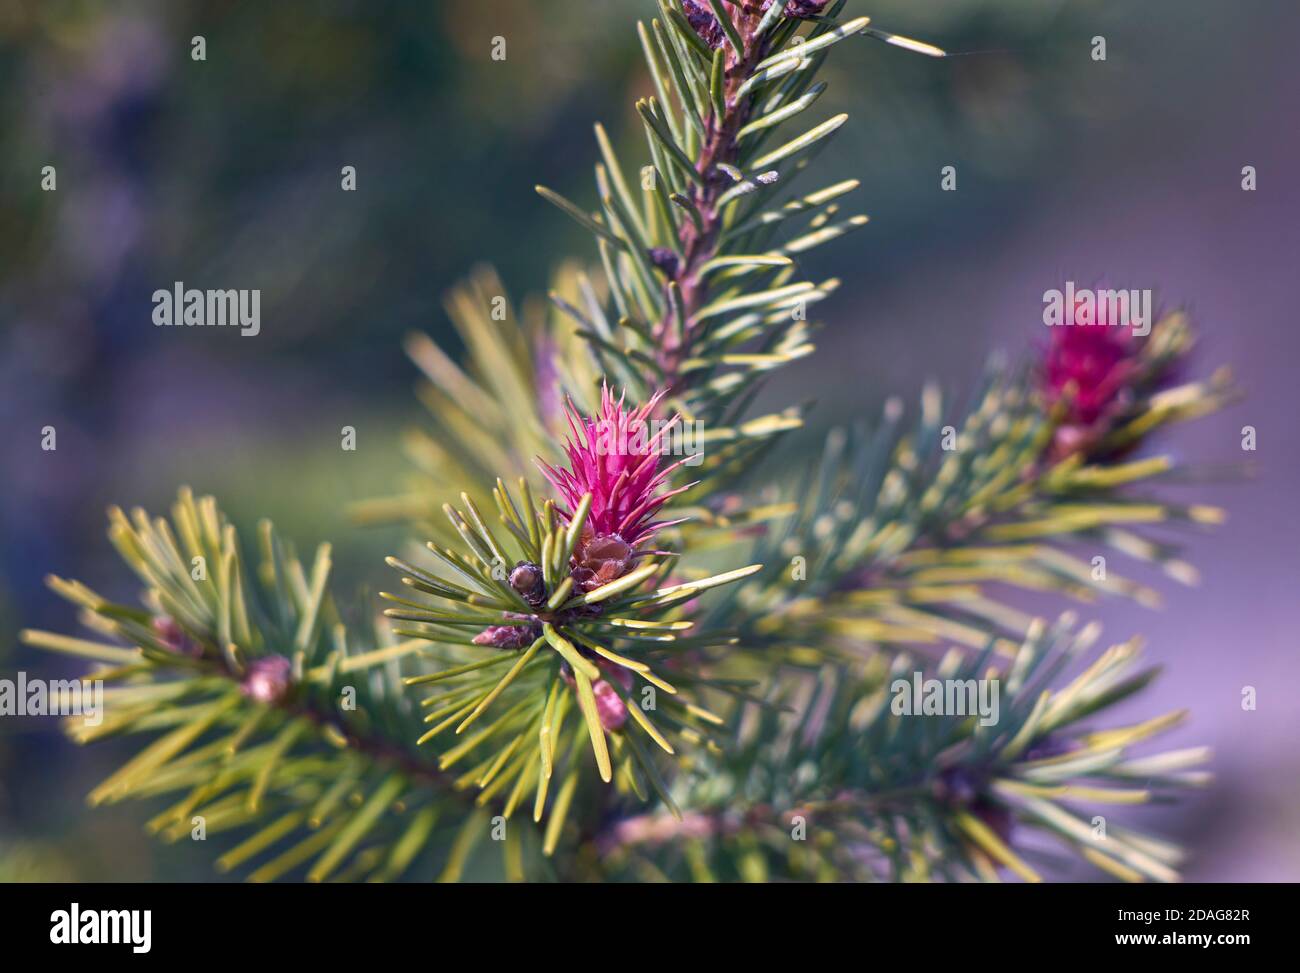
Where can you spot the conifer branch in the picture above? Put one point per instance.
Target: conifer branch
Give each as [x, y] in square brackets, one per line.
[898, 537]
[957, 797]
[901, 536]
[701, 293]
[540, 619]
[278, 722]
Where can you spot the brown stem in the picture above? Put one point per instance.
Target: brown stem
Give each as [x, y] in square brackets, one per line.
[376, 748]
[657, 828]
[700, 244]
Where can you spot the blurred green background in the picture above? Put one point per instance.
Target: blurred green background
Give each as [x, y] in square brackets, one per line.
[226, 173]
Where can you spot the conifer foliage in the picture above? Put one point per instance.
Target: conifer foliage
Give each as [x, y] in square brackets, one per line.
[616, 651]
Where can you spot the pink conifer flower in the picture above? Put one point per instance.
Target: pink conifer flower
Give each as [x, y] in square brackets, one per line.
[615, 456]
[1096, 364]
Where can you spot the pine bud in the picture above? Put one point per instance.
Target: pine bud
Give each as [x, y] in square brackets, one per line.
[176, 638]
[609, 704]
[599, 559]
[802, 9]
[507, 636]
[666, 261]
[267, 679]
[526, 578]
[701, 19]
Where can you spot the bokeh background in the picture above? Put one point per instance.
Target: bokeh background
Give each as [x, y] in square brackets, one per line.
[225, 173]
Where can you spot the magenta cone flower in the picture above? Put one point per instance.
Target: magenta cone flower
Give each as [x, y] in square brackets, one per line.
[614, 456]
[1098, 363]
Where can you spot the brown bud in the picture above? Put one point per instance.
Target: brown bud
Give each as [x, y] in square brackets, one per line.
[506, 636]
[526, 578]
[599, 559]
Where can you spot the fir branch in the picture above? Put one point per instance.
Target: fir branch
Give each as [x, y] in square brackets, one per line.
[277, 721]
[560, 591]
[901, 538]
[807, 795]
[548, 621]
[898, 537]
[727, 307]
